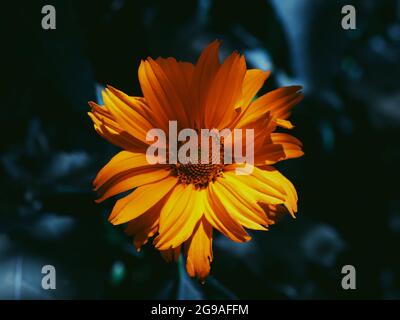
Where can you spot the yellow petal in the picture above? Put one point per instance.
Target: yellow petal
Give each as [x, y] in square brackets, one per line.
[218, 216]
[262, 181]
[238, 208]
[291, 194]
[138, 104]
[284, 123]
[110, 130]
[129, 180]
[130, 120]
[120, 163]
[243, 191]
[140, 200]
[179, 216]
[198, 250]
[144, 226]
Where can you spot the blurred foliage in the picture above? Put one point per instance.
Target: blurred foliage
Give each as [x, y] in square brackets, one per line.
[347, 180]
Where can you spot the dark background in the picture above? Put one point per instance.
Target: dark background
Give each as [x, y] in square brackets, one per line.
[349, 122]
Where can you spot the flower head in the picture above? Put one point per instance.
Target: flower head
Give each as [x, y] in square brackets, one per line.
[182, 203]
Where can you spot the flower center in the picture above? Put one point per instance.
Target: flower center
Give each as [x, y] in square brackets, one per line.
[201, 174]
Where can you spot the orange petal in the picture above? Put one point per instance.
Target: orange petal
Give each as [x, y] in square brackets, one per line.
[140, 200]
[252, 83]
[279, 146]
[180, 74]
[171, 255]
[274, 212]
[198, 250]
[268, 153]
[225, 92]
[179, 216]
[291, 145]
[278, 102]
[161, 94]
[205, 70]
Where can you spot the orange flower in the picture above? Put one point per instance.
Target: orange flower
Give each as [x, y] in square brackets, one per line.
[183, 203]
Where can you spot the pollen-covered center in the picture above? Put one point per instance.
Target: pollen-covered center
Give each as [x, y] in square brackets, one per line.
[200, 174]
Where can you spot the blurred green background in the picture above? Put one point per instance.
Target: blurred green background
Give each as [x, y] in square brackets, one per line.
[349, 122]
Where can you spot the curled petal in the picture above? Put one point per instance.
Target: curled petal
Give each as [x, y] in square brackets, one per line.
[291, 198]
[291, 146]
[110, 130]
[143, 227]
[278, 147]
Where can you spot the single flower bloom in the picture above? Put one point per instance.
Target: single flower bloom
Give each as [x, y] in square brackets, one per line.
[181, 204]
